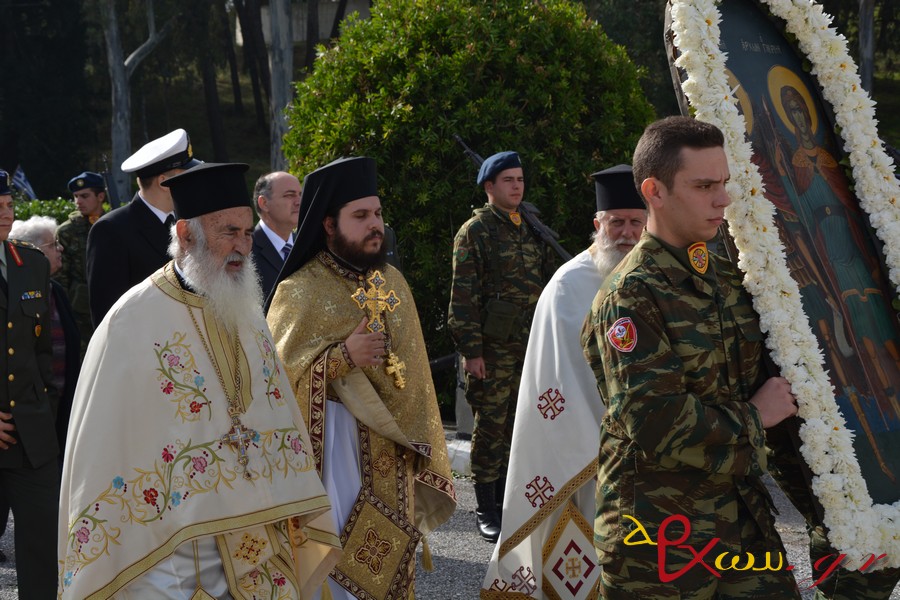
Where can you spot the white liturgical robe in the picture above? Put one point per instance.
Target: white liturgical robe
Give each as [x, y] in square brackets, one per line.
[548, 509]
[154, 460]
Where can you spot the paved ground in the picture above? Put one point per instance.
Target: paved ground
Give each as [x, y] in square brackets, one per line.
[461, 557]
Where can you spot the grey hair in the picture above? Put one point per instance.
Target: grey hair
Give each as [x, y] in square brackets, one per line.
[176, 250]
[599, 216]
[34, 229]
[263, 187]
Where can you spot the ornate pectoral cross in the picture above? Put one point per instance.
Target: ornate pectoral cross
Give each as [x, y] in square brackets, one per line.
[396, 367]
[374, 302]
[239, 437]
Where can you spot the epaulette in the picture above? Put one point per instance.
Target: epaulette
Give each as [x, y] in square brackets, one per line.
[14, 254]
[23, 244]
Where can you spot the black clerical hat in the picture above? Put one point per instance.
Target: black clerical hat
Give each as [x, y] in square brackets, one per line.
[326, 190]
[615, 189]
[207, 188]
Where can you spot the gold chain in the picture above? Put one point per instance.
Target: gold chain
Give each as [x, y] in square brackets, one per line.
[237, 436]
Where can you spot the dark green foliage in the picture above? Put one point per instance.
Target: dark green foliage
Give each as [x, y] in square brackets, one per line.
[59, 209]
[537, 77]
[638, 25]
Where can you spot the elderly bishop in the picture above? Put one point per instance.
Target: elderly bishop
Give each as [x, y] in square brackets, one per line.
[346, 325]
[189, 472]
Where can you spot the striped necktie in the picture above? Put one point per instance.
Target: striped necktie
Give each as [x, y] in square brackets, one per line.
[286, 250]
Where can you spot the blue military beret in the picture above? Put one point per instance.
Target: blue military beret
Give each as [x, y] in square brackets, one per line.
[5, 189]
[496, 163]
[85, 180]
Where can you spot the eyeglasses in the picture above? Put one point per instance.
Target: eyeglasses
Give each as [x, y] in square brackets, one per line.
[54, 243]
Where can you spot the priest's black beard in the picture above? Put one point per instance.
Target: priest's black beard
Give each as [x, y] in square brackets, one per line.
[355, 254]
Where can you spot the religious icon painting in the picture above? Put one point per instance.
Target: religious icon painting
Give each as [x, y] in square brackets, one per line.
[812, 236]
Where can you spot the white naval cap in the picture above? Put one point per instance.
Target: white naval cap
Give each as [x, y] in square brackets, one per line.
[171, 151]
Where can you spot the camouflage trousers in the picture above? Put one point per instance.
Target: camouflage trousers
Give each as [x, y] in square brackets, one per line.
[842, 584]
[493, 402]
[635, 574]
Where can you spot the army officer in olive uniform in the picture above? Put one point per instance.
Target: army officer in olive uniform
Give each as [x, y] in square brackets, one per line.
[29, 471]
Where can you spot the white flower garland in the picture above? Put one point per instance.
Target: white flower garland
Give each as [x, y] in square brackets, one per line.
[857, 527]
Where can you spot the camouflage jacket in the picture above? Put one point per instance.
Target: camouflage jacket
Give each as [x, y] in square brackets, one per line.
[73, 235]
[494, 258]
[677, 355]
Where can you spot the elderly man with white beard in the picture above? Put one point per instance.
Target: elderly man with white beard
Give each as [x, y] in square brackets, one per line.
[189, 471]
[549, 496]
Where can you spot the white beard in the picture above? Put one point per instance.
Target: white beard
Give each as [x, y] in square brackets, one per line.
[606, 254]
[233, 298]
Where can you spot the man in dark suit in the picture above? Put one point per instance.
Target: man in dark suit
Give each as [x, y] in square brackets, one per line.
[128, 244]
[29, 473]
[278, 204]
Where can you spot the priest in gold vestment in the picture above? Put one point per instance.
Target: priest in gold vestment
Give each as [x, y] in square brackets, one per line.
[189, 471]
[345, 325]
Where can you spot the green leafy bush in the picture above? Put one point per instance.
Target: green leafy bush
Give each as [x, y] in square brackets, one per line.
[536, 77]
[59, 209]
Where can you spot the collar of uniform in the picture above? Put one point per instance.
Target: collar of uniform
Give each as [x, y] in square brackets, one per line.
[676, 264]
[502, 214]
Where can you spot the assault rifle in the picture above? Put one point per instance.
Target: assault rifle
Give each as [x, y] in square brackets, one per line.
[528, 210]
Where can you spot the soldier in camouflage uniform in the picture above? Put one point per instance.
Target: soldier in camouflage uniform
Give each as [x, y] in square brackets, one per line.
[678, 354]
[499, 270]
[89, 193]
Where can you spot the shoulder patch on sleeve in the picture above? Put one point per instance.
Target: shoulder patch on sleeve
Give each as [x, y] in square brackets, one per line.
[623, 335]
[462, 254]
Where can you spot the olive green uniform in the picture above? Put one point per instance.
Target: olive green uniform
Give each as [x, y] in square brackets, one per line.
[29, 471]
[499, 270]
[73, 235]
[677, 355]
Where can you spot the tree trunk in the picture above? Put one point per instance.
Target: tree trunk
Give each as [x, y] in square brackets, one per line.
[251, 62]
[282, 55]
[312, 32]
[213, 112]
[867, 43]
[255, 33]
[118, 183]
[232, 60]
[338, 17]
[120, 72]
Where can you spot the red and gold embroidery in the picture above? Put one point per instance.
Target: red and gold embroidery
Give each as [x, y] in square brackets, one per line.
[373, 552]
[250, 549]
[699, 257]
[623, 335]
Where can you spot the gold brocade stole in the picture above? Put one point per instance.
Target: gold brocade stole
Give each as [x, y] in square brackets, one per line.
[221, 344]
[379, 538]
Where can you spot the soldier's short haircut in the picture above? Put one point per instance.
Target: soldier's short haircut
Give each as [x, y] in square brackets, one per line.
[263, 187]
[658, 152]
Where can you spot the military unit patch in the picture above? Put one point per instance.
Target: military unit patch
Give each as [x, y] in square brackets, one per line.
[699, 257]
[461, 255]
[623, 335]
[516, 218]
